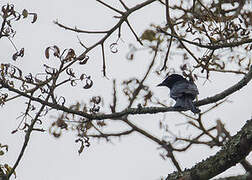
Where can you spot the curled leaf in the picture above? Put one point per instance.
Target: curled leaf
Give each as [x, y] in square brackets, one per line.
[96, 99]
[73, 83]
[83, 76]
[17, 54]
[21, 52]
[61, 100]
[56, 51]
[50, 70]
[29, 78]
[82, 145]
[70, 72]
[70, 55]
[89, 84]
[18, 17]
[14, 56]
[113, 48]
[83, 60]
[35, 17]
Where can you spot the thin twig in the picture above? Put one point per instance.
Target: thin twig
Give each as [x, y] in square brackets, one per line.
[140, 86]
[124, 5]
[110, 7]
[27, 138]
[191, 142]
[168, 19]
[123, 18]
[103, 60]
[81, 43]
[170, 154]
[111, 134]
[132, 30]
[79, 30]
[167, 54]
[211, 47]
[113, 106]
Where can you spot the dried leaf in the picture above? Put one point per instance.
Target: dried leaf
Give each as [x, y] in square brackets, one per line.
[47, 52]
[101, 123]
[83, 60]
[35, 17]
[149, 35]
[25, 13]
[88, 125]
[70, 55]
[17, 54]
[18, 17]
[14, 56]
[56, 51]
[113, 48]
[83, 76]
[21, 52]
[96, 99]
[89, 84]
[73, 83]
[70, 72]
[1, 152]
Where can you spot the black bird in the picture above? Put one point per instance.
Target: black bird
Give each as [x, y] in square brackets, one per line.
[182, 91]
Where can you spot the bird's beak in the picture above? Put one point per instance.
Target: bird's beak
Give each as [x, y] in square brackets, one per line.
[161, 84]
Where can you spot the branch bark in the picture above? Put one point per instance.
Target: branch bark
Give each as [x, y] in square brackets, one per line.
[246, 176]
[230, 154]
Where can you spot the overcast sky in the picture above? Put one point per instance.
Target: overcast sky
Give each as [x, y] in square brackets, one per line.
[133, 157]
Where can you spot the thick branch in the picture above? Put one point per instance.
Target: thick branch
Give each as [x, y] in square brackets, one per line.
[148, 110]
[246, 176]
[230, 154]
[243, 82]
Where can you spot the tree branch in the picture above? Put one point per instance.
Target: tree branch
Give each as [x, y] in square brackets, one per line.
[230, 154]
[132, 30]
[148, 110]
[110, 7]
[246, 176]
[79, 30]
[123, 19]
[211, 47]
[27, 138]
[106, 135]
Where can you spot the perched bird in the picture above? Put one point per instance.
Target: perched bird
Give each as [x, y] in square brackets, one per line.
[182, 91]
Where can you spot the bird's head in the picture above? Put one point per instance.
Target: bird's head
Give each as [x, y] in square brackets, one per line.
[170, 80]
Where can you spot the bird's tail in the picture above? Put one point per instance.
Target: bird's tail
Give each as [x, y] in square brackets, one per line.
[186, 102]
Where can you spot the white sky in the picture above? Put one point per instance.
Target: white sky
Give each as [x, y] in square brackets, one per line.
[133, 157]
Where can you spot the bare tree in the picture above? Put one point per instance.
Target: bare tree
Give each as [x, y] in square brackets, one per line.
[199, 31]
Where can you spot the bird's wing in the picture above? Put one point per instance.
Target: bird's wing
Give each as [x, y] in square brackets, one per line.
[192, 89]
[178, 89]
[181, 88]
